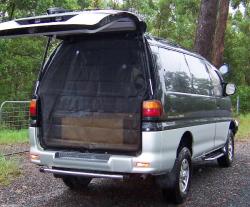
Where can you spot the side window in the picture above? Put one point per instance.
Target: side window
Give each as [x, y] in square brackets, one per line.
[200, 77]
[177, 76]
[154, 55]
[155, 59]
[216, 82]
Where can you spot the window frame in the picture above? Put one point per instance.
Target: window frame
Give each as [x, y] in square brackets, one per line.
[192, 75]
[170, 49]
[211, 68]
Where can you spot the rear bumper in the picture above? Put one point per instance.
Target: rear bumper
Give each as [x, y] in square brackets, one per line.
[151, 154]
[83, 174]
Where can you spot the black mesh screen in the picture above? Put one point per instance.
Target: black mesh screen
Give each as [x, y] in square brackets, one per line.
[91, 95]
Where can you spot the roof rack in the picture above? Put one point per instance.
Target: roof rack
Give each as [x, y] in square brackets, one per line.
[57, 10]
[168, 42]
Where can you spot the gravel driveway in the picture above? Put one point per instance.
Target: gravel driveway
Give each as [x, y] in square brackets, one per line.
[211, 186]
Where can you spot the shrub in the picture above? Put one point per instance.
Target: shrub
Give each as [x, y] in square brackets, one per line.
[244, 94]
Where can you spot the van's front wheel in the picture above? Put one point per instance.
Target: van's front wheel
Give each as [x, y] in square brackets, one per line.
[76, 182]
[180, 178]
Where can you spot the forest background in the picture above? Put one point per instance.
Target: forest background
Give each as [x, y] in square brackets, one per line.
[176, 20]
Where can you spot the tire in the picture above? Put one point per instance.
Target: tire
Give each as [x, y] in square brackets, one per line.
[180, 179]
[76, 182]
[227, 159]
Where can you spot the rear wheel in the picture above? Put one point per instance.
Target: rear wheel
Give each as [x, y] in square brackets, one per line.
[177, 190]
[227, 159]
[76, 182]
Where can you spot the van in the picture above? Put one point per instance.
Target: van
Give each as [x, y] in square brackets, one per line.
[114, 102]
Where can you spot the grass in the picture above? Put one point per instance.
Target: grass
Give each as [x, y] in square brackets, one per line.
[8, 170]
[8, 136]
[244, 126]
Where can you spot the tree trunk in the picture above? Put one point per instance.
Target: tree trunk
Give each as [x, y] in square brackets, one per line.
[206, 28]
[12, 10]
[218, 44]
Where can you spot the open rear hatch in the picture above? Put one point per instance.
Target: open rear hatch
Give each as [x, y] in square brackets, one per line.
[73, 23]
[91, 94]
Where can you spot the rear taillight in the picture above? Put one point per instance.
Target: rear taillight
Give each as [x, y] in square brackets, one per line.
[33, 108]
[152, 109]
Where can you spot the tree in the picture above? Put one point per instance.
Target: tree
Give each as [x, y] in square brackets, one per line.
[237, 46]
[20, 59]
[206, 28]
[96, 4]
[175, 20]
[218, 44]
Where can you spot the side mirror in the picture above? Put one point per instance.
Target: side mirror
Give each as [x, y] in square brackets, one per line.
[224, 69]
[230, 89]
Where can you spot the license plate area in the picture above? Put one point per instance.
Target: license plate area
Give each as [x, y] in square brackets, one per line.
[88, 157]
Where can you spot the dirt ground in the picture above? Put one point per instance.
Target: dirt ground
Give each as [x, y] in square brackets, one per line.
[211, 186]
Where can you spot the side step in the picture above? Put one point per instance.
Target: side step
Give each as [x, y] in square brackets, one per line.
[84, 174]
[214, 155]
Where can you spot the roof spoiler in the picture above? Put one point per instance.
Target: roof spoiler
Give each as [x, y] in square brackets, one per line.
[61, 22]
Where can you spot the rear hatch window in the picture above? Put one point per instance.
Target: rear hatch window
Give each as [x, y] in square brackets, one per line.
[91, 95]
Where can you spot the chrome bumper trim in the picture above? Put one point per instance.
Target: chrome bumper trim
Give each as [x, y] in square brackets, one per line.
[84, 174]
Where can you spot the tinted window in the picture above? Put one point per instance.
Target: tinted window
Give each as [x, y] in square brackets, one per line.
[216, 82]
[200, 77]
[154, 55]
[176, 73]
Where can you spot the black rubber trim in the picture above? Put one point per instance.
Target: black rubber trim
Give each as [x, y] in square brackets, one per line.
[162, 126]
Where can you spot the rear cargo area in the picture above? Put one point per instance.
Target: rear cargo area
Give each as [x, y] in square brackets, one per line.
[91, 94]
